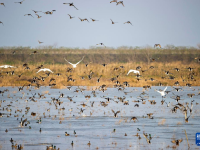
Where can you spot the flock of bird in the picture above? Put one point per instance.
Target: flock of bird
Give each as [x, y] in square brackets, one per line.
[105, 101]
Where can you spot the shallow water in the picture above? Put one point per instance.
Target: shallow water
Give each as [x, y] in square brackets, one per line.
[98, 126]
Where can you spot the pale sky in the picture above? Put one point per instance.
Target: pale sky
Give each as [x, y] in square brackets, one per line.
[162, 22]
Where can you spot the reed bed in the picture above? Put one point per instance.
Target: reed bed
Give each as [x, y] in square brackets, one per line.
[107, 72]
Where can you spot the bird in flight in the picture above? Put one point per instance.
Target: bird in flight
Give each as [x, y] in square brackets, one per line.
[120, 2]
[28, 15]
[93, 19]
[1, 22]
[162, 92]
[38, 16]
[3, 4]
[128, 22]
[40, 42]
[115, 113]
[113, 21]
[113, 1]
[45, 69]
[20, 2]
[36, 11]
[70, 16]
[74, 65]
[70, 4]
[157, 45]
[101, 44]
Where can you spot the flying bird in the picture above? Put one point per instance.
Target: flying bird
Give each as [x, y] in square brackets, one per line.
[28, 15]
[113, 21]
[70, 4]
[3, 4]
[134, 71]
[115, 113]
[120, 2]
[36, 11]
[157, 45]
[45, 69]
[74, 65]
[20, 2]
[162, 92]
[38, 16]
[70, 16]
[40, 42]
[113, 1]
[101, 44]
[128, 22]
[1, 23]
[94, 20]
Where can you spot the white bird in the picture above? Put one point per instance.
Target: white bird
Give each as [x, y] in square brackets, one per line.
[74, 65]
[45, 69]
[162, 92]
[7, 66]
[134, 71]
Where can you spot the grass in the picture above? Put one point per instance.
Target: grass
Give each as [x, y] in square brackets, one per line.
[107, 73]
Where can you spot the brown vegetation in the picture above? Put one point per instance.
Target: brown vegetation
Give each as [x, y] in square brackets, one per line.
[161, 60]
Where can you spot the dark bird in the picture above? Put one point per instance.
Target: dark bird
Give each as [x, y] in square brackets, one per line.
[1, 22]
[70, 16]
[113, 21]
[177, 141]
[94, 20]
[28, 15]
[115, 113]
[70, 4]
[20, 2]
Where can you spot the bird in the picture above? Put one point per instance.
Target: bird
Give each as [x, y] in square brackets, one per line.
[2, 4]
[74, 65]
[177, 141]
[162, 92]
[40, 42]
[93, 19]
[36, 11]
[7, 66]
[157, 45]
[101, 44]
[28, 15]
[113, 1]
[120, 2]
[45, 69]
[70, 16]
[115, 113]
[128, 22]
[38, 16]
[70, 4]
[134, 118]
[1, 23]
[20, 2]
[113, 21]
[134, 71]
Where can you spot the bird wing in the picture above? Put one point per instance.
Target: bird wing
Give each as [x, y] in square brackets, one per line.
[80, 61]
[180, 140]
[40, 70]
[69, 62]
[117, 112]
[113, 111]
[49, 70]
[165, 89]
[174, 141]
[75, 7]
[148, 141]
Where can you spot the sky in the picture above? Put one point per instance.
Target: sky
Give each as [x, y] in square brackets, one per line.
[164, 22]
